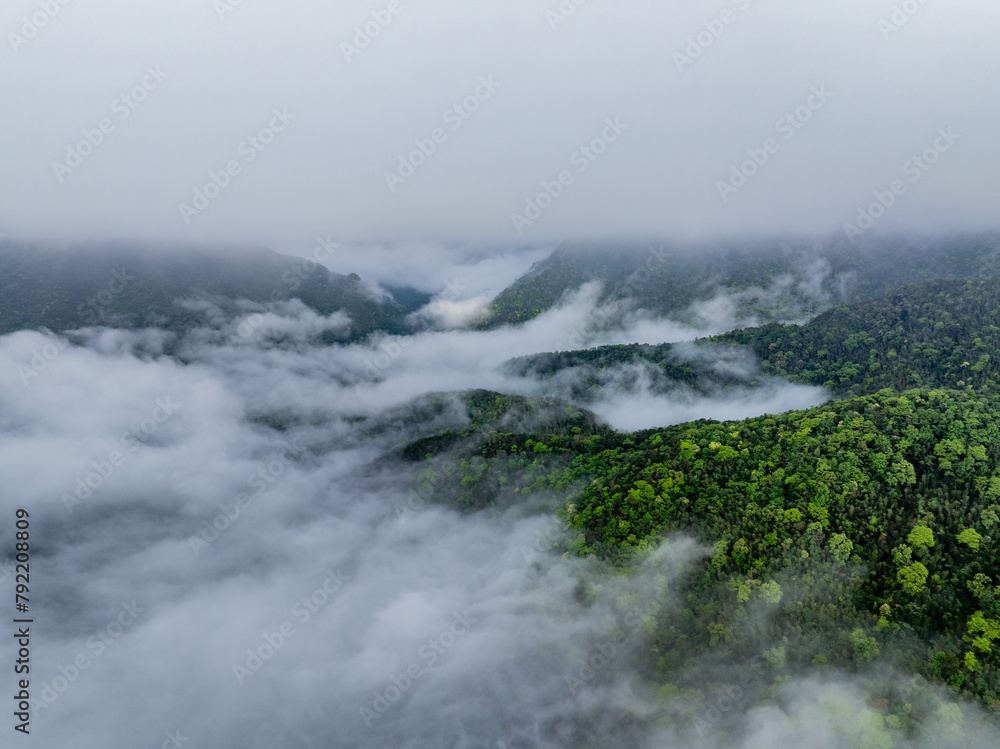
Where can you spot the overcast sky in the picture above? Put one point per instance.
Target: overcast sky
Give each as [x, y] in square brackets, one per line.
[547, 85]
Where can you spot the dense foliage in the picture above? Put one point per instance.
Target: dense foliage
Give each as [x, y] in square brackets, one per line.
[665, 367]
[863, 529]
[801, 278]
[940, 333]
[484, 414]
[130, 286]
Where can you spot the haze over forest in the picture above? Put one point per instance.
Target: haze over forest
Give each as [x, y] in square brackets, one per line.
[505, 376]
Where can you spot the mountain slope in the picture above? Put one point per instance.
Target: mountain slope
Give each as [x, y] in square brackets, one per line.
[859, 534]
[936, 334]
[797, 278]
[137, 286]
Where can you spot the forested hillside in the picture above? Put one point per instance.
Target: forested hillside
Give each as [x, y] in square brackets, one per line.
[859, 532]
[670, 368]
[934, 334]
[940, 333]
[800, 278]
[137, 286]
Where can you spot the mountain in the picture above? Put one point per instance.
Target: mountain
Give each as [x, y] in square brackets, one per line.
[861, 531]
[933, 334]
[668, 367]
[771, 280]
[936, 334]
[137, 286]
[856, 537]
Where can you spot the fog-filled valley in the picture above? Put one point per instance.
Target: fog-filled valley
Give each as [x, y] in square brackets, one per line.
[516, 374]
[327, 537]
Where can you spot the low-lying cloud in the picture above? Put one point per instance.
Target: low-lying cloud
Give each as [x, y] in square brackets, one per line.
[221, 551]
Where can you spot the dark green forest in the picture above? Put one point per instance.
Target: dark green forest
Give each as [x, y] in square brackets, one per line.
[138, 286]
[673, 369]
[804, 276]
[857, 532]
[934, 334]
[859, 536]
[940, 333]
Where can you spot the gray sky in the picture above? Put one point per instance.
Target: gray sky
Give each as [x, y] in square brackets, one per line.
[555, 84]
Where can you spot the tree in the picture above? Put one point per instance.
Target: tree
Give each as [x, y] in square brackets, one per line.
[740, 550]
[719, 632]
[985, 631]
[981, 587]
[971, 662]
[970, 538]
[776, 657]
[902, 472]
[841, 547]
[902, 555]
[921, 537]
[912, 578]
[771, 592]
[865, 648]
[719, 558]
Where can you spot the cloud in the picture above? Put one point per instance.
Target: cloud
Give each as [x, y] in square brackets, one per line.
[639, 408]
[431, 267]
[200, 128]
[324, 511]
[447, 314]
[288, 587]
